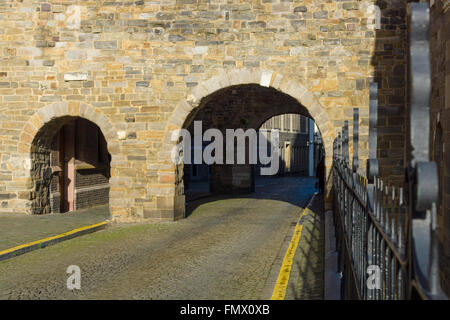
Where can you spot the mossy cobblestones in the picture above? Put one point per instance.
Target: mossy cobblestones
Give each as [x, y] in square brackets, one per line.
[223, 250]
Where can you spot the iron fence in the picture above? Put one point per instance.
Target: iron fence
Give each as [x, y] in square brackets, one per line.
[387, 236]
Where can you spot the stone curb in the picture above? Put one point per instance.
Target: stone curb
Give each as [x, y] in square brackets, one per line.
[332, 277]
[42, 243]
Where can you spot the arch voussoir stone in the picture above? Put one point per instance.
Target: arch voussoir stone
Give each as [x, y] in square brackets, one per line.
[212, 85]
[196, 95]
[222, 79]
[275, 81]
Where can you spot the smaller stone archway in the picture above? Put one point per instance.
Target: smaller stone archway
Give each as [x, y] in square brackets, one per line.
[39, 137]
[203, 93]
[244, 107]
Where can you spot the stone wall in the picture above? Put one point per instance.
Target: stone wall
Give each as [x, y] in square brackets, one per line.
[40, 195]
[138, 69]
[390, 61]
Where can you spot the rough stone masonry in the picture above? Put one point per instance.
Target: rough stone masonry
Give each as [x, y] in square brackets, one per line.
[138, 69]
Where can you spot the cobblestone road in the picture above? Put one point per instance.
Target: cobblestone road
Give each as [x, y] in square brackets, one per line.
[224, 250]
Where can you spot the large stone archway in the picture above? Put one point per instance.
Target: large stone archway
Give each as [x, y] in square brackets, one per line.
[62, 110]
[223, 79]
[266, 78]
[286, 84]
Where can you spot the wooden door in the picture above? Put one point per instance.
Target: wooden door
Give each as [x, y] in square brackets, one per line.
[67, 152]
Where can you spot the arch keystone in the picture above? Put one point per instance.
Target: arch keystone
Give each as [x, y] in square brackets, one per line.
[266, 78]
[59, 109]
[73, 109]
[255, 75]
[246, 76]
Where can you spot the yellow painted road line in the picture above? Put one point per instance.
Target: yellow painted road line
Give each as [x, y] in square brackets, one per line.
[279, 291]
[29, 244]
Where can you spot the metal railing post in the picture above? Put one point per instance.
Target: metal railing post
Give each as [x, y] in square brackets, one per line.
[355, 163]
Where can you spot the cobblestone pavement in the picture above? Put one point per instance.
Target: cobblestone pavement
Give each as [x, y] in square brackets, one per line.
[16, 229]
[223, 250]
[307, 281]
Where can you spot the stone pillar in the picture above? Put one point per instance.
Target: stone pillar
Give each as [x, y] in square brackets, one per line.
[232, 179]
[169, 205]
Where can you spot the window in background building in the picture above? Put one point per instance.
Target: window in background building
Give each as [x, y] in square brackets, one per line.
[303, 124]
[295, 122]
[277, 122]
[287, 122]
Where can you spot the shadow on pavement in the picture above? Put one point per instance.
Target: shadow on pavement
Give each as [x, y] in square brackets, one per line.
[292, 189]
[307, 279]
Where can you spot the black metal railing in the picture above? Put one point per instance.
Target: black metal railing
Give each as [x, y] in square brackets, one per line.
[387, 236]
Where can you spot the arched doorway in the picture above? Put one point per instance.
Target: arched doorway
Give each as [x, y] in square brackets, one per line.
[70, 166]
[245, 107]
[170, 196]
